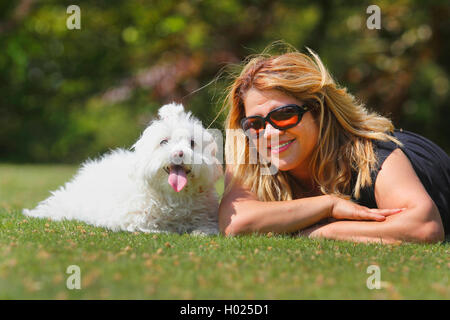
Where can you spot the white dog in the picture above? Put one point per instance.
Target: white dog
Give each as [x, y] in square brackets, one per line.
[166, 184]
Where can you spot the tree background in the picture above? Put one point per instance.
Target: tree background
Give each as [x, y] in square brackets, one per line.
[66, 95]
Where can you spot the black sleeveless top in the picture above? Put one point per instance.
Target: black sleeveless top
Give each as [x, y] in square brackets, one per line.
[431, 164]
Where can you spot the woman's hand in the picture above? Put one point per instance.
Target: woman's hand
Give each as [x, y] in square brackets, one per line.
[346, 209]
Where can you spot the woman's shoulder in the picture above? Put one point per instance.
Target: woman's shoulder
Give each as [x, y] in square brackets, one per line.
[419, 150]
[428, 160]
[430, 163]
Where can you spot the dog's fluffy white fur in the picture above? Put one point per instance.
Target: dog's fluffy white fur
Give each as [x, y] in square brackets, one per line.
[131, 189]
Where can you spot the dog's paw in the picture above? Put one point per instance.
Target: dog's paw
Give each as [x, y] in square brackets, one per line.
[155, 231]
[204, 232]
[35, 213]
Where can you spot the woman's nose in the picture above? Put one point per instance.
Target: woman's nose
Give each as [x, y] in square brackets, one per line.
[269, 131]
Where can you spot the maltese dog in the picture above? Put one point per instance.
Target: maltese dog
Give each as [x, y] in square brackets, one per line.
[164, 184]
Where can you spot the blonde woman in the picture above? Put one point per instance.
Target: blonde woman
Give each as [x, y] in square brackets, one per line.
[341, 172]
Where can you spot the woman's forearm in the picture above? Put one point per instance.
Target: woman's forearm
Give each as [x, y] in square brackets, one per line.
[407, 226]
[395, 229]
[357, 231]
[278, 217]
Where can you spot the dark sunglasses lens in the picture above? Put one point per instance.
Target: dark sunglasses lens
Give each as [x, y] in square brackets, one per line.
[285, 117]
[253, 125]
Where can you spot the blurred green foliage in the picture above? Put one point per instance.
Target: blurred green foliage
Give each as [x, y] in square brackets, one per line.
[66, 95]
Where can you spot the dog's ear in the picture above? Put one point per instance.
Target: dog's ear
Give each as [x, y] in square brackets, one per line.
[170, 110]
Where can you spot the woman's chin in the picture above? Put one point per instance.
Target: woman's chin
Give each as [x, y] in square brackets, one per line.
[283, 165]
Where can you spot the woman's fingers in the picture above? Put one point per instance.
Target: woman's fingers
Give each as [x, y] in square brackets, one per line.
[345, 209]
[367, 214]
[380, 214]
[378, 217]
[386, 212]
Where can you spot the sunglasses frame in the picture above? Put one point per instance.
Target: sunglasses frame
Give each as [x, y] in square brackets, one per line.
[301, 110]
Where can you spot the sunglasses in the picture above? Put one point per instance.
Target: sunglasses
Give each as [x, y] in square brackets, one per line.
[282, 118]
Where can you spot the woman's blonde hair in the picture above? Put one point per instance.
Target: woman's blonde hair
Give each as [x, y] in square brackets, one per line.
[346, 128]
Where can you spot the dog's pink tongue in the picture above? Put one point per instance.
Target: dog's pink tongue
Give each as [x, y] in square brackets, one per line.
[177, 178]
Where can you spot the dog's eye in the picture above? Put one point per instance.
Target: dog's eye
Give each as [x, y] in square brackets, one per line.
[164, 141]
[192, 143]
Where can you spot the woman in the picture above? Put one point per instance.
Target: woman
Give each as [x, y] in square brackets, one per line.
[333, 161]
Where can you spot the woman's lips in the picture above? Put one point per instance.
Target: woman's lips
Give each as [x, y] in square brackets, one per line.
[281, 147]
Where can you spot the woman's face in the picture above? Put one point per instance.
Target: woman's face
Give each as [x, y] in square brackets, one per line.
[296, 155]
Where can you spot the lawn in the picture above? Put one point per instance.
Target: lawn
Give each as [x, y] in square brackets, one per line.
[35, 254]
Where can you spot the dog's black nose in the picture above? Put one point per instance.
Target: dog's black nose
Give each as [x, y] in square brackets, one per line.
[180, 154]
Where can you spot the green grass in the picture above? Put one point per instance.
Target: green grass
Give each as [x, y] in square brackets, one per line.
[34, 256]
